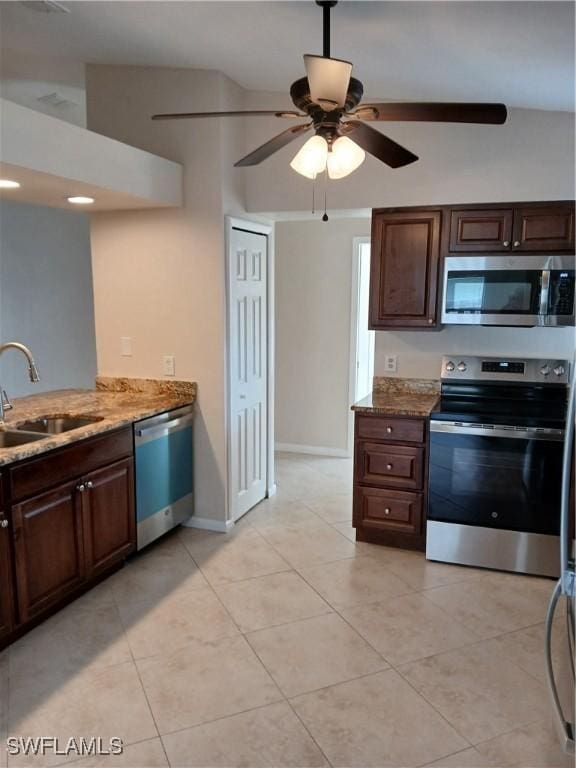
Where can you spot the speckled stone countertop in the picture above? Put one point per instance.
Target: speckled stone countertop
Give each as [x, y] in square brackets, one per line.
[119, 404]
[400, 397]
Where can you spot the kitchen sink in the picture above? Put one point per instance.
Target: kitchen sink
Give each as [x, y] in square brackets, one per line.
[12, 438]
[54, 425]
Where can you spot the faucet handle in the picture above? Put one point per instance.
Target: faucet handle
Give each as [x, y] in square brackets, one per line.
[6, 404]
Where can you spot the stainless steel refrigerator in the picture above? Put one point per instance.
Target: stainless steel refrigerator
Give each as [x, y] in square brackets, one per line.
[560, 666]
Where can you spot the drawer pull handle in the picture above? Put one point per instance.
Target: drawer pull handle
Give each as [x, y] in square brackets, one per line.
[387, 511]
[389, 467]
[389, 430]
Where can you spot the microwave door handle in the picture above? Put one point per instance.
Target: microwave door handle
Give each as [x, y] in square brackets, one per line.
[544, 292]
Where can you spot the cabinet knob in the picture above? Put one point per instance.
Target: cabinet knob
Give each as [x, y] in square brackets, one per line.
[89, 484]
[516, 243]
[506, 243]
[4, 523]
[81, 488]
[387, 511]
[389, 430]
[389, 467]
[430, 320]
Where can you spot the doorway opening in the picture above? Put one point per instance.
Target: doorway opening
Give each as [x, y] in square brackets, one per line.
[362, 340]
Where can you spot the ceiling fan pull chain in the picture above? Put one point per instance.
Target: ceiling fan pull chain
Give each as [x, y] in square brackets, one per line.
[313, 195]
[325, 217]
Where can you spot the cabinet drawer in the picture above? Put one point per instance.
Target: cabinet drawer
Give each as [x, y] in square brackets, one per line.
[389, 429]
[389, 465]
[31, 477]
[378, 509]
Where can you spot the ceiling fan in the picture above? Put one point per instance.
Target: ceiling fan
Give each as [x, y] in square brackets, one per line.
[330, 98]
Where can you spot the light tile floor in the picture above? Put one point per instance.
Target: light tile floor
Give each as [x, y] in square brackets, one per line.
[286, 644]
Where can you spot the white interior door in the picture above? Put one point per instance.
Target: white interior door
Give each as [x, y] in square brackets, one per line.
[248, 340]
[365, 339]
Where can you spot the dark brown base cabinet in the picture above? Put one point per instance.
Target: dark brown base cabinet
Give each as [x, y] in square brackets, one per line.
[390, 480]
[64, 536]
[409, 245]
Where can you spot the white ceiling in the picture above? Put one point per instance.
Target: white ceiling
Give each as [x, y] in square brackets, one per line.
[521, 53]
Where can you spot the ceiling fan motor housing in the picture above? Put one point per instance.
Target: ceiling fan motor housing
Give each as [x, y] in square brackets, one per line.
[326, 124]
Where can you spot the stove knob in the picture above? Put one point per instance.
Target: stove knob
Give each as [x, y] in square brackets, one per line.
[559, 370]
[462, 367]
[450, 366]
[545, 370]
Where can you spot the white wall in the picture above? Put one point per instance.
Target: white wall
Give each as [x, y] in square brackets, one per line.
[46, 297]
[159, 276]
[313, 297]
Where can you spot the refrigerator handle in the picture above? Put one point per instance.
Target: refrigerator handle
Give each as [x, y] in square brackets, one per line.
[565, 544]
[563, 728]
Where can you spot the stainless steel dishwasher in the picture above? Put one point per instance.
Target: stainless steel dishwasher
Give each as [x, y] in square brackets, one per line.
[163, 450]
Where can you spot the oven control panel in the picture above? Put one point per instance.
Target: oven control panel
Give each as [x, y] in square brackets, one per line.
[466, 368]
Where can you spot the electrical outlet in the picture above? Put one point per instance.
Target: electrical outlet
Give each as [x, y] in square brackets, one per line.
[390, 363]
[169, 365]
[125, 346]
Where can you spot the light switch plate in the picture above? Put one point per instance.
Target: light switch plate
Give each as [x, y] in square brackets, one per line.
[390, 363]
[125, 346]
[169, 365]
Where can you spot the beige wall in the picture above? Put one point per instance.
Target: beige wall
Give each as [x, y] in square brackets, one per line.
[159, 276]
[313, 296]
[420, 353]
[531, 157]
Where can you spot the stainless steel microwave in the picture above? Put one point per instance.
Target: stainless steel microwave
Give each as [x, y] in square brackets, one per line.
[509, 290]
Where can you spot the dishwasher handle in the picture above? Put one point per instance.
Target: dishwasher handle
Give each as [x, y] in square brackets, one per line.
[164, 428]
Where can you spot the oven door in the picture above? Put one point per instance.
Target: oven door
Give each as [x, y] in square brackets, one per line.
[496, 476]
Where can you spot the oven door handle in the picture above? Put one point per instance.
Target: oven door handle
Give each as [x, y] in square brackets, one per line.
[497, 430]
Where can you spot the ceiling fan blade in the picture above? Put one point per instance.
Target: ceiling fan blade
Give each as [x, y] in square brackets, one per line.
[328, 80]
[493, 114]
[374, 142]
[235, 113]
[281, 140]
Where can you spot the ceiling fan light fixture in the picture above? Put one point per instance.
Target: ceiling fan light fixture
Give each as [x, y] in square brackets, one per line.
[311, 159]
[328, 80]
[345, 156]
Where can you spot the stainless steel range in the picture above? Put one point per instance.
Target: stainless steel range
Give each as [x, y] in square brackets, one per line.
[496, 443]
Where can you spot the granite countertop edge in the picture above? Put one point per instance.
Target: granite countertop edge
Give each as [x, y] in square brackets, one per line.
[400, 397]
[119, 408]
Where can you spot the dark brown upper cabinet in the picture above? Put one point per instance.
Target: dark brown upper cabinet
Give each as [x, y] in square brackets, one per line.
[481, 230]
[404, 269]
[542, 227]
[549, 228]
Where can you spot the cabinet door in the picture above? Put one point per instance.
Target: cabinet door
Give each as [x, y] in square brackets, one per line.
[48, 548]
[481, 230]
[404, 269]
[109, 516]
[6, 582]
[549, 228]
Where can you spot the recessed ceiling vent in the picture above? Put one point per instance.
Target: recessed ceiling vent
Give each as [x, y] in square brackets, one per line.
[45, 6]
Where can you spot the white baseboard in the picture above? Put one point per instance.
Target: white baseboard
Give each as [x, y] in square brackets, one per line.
[272, 490]
[314, 450]
[206, 524]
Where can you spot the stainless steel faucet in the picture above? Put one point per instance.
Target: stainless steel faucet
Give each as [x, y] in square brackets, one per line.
[5, 404]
